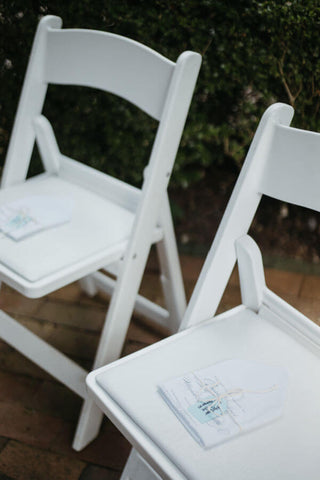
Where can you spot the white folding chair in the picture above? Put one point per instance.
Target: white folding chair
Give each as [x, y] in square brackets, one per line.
[284, 163]
[113, 224]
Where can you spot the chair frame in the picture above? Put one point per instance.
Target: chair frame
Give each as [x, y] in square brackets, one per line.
[153, 222]
[232, 244]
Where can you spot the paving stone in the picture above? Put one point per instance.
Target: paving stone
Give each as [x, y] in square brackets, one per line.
[15, 363]
[23, 462]
[191, 267]
[3, 443]
[144, 332]
[92, 472]
[151, 285]
[47, 397]
[38, 416]
[80, 316]
[282, 282]
[73, 293]
[153, 262]
[230, 299]
[189, 287]
[78, 344]
[310, 307]
[14, 303]
[73, 342]
[5, 477]
[27, 425]
[233, 282]
[42, 329]
[131, 347]
[110, 449]
[234, 278]
[310, 287]
[83, 344]
[16, 388]
[69, 293]
[56, 400]
[151, 288]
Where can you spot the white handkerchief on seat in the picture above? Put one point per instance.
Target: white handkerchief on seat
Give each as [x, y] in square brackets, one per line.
[28, 215]
[223, 400]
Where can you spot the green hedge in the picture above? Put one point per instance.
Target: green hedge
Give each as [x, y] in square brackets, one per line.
[254, 53]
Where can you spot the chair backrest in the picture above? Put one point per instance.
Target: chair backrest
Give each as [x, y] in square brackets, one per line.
[161, 88]
[108, 62]
[284, 163]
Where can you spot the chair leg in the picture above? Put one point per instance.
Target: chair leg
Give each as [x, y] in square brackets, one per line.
[88, 285]
[171, 276]
[88, 425]
[111, 341]
[120, 311]
[137, 468]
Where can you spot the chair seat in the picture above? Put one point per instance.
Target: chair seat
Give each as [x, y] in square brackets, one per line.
[97, 225]
[285, 449]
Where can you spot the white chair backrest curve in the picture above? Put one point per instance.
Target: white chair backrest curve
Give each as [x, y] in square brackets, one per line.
[282, 162]
[95, 59]
[109, 62]
[292, 171]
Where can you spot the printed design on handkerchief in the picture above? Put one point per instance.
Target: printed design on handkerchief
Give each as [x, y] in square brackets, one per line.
[223, 400]
[29, 215]
[13, 219]
[208, 409]
[213, 400]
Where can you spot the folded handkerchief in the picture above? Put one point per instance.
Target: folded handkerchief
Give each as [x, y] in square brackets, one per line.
[28, 215]
[223, 400]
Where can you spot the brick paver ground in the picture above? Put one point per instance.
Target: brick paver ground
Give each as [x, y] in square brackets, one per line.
[38, 415]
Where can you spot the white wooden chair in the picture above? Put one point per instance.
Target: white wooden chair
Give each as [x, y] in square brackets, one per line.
[113, 224]
[283, 163]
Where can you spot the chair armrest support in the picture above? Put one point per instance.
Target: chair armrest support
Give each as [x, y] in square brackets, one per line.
[251, 272]
[47, 143]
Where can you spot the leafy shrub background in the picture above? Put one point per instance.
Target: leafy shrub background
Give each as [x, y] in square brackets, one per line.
[254, 53]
